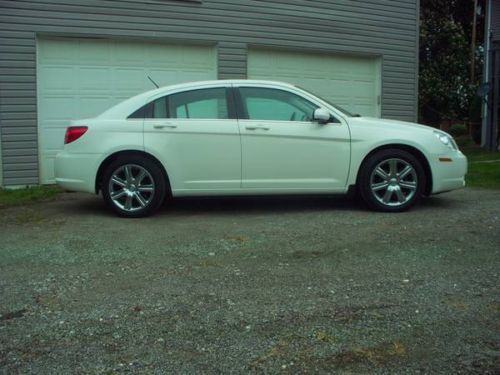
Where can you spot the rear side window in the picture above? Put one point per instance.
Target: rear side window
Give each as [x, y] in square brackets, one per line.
[145, 111]
[194, 104]
[199, 104]
[159, 108]
[138, 114]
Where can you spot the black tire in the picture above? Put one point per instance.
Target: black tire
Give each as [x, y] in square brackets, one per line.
[399, 188]
[136, 198]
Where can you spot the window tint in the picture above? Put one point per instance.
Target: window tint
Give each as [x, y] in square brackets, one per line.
[273, 104]
[160, 108]
[202, 104]
[146, 111]
[138, 114]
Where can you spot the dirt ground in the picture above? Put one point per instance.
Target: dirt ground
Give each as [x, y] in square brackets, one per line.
[266, 285]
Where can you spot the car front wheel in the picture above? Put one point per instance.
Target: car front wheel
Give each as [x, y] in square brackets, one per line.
[133, 187]
[391, 180]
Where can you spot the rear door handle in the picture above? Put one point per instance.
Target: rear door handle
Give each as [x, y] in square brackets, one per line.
[257, 127]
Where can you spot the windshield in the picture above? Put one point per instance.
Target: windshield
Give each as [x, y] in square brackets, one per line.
[338, 108]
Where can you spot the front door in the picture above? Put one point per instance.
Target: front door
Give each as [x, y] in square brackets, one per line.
[283, 149]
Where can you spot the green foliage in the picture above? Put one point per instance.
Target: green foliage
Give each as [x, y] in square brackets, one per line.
[13, 197]
[458, 130]
[445, 87]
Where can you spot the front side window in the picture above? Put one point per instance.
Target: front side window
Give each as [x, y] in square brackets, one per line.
[194, 104]
[275, 105]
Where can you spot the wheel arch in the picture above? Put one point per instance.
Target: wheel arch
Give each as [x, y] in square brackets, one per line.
[412, 150]
[111, 158]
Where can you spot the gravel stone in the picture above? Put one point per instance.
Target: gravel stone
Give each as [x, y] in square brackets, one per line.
[239, 285]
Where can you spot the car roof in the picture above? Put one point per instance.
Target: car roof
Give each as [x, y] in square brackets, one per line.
[225, 82]
[124, 108]
[216, 82]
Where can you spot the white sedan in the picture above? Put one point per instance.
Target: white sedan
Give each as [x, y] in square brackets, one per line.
[243, 137]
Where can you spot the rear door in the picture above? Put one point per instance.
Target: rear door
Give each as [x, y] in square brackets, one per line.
[196, 136]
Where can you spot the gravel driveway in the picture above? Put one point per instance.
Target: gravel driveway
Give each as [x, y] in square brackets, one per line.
[264, 285]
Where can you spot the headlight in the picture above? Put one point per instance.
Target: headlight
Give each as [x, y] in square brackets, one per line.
[446, 140]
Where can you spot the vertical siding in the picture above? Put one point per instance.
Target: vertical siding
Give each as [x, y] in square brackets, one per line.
[386, 28]
[19, 133]
[495, 20]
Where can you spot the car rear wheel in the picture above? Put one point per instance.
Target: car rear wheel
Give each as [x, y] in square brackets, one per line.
[392, 180]
[133, 187]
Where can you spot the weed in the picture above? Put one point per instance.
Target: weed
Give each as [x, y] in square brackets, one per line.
[14, 197]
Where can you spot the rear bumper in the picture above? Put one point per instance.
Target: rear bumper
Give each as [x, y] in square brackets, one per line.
[448, 175]
[76, 172]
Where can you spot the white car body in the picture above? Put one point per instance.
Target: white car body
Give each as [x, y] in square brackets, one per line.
[238, 156]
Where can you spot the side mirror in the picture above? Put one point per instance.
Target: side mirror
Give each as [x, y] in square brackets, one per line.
[321, 115]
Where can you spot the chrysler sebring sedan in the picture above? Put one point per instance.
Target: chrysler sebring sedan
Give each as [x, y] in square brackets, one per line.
[243, 137]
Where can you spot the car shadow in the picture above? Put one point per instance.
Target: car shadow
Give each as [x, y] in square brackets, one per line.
[83, 204]
[260, 204]
[95, 206]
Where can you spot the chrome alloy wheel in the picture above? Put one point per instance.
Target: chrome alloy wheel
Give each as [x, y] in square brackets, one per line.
[131, 187]
[393, 182]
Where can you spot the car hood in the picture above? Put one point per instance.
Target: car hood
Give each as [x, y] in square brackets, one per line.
[387, 124]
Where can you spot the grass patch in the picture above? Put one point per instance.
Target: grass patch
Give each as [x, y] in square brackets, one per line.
[484, 166]
[14, 197]
[484, 175]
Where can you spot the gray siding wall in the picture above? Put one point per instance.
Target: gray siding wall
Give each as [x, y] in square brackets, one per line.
[388, 28]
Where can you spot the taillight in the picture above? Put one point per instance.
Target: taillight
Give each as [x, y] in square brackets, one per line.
[73, 133]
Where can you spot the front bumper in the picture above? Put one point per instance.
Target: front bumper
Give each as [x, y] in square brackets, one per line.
[77, 172]
[448, 175]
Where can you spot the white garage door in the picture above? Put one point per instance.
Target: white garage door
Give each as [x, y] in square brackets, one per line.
[80, 78]
[351, 82]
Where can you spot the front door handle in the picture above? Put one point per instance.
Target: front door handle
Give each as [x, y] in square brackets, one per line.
[257, 127]
[163, 126]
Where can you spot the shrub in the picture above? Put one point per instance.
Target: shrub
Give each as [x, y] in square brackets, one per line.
[458, 130]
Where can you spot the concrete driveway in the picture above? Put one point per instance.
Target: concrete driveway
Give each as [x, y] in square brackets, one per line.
[252, 285]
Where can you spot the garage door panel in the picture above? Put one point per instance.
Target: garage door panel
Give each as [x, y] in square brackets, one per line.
[191, 57]
[55, 108]
[128, 79]
[158, 59]
[56, 77]
[52, 138]
[362, 88]
[128, 54]
[361, 108]
[96, 79]
[167, 77]
[91, 52]
[90, 106]
[80, 78]
[63, 52]
[349, 81]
